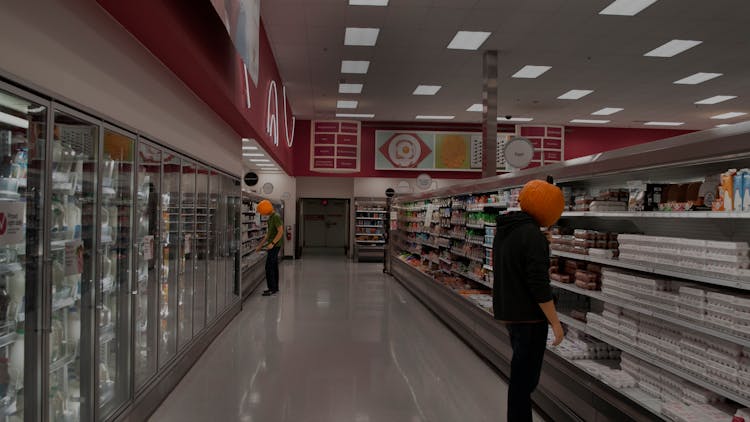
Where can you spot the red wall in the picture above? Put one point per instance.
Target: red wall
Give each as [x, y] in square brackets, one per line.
[190, 39]
[579, 142]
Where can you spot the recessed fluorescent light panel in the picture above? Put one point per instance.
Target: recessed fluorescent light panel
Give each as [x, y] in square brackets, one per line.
[249, 148]
[468, 40]
[422, 117]
[350, 88]
[367, 37]
[256, 160]
[575, 94]
[266, 165]
[359, 67]
[515, 119]
[626, 7]
[698, 78]
[531, 72]
[355, 116]
[672, 48]
[716, 99]
[723, 125]
[368, 2]
[253, 154]
[476, 108]
[607, 111]
[427, 90]
[664, 123]
[731, 115]
[590, 121]
[346, 104]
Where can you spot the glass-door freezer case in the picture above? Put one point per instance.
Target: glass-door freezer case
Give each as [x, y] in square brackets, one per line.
[117, 258]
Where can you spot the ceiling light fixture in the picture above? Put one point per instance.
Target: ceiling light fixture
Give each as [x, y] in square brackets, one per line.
[265, 165]
[664, 123]
[590, 121]
[346, 104]
[672, 48]
[698, 78]
[355, 115]
[607, 111]
[626, 7]
[368, 2]
[531, 71]
[12, 120]
[249, 148]
[468, 40]
[426, 90]
[476, 107]
[367, 37]
[730, 115]
[425, 117]
[575, 94]
[716, 99]
[350, 88]
[515, 119]
[254, 154]
[724, 125]
[256, 160]
[359, 67]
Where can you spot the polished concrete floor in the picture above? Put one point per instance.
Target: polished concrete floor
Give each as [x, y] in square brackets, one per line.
[341, 343]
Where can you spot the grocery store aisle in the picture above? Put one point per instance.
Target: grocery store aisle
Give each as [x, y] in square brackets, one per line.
[341, 342]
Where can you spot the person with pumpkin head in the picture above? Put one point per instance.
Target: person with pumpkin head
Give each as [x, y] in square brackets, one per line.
[522, 296]
[272, 243]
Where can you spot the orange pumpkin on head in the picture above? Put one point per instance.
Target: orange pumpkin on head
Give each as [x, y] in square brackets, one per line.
[543, 201]
[265, 207]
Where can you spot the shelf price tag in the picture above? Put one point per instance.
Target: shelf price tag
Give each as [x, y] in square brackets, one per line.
[11, 222]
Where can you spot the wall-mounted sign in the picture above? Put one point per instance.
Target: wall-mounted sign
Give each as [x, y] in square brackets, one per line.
[460, 151]
[335, 146]
[251, 178]
[518, 152]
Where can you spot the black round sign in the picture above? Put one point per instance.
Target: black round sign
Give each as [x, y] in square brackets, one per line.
[390, 192]
[251, 179]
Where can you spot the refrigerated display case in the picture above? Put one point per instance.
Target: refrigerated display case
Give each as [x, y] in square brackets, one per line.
[103, 246]
[656, 303]
[370, 221]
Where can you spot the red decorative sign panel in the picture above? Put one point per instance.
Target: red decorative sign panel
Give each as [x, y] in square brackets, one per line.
[335, 146]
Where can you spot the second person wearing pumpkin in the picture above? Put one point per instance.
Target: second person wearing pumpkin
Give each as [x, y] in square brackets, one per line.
[521, 295]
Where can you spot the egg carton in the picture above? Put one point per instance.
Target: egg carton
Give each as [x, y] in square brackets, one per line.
[699, 394]
[649, 388]
[721, 374]
[694, 366]
[722, 358]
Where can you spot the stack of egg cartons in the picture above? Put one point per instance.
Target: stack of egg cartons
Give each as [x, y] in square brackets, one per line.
[694, 353]
[722, 363]
[742, 316]
[680, 412]
[692, 302]
[728, 258]
[628, 328]
[618, 284]
[693, 394]
[648, 336]
[743, 374]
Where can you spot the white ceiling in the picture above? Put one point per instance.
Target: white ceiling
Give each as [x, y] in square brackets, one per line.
[586, 51]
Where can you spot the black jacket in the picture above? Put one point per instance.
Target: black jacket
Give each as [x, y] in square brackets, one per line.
[521, 260]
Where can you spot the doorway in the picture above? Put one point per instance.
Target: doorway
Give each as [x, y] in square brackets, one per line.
[325, 225]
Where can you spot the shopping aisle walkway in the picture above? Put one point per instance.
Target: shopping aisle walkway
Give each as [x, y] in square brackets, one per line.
[340, 343]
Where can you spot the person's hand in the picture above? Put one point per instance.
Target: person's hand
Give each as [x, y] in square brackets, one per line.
[269, 247]
[557, 329]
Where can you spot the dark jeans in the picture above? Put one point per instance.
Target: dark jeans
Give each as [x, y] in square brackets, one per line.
[272, 269]
[529, 341]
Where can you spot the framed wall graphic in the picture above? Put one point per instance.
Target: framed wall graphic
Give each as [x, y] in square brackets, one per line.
[335, 146]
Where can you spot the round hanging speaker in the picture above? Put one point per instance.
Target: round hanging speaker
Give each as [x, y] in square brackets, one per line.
[251, 179]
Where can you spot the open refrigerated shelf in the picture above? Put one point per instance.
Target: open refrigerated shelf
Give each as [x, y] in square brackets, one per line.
[683, 158]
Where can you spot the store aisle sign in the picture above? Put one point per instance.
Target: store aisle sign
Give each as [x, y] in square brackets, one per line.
[460, 151]
[335, 146]
[11, 222]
